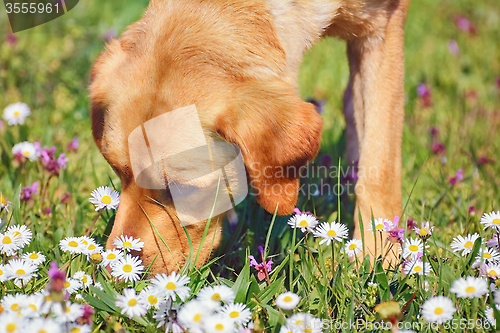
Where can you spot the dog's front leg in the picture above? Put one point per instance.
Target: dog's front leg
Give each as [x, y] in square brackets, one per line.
[374, 109]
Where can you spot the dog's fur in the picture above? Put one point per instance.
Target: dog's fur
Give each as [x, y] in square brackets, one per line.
[237, 61]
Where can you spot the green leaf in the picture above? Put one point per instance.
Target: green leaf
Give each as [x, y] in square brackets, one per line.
[268, 292]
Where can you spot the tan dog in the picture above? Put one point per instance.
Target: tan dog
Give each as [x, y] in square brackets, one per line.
[237, 61]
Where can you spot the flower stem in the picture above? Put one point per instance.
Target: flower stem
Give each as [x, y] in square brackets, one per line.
[92, 226]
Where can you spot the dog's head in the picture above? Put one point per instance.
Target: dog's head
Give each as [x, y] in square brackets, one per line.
[225, 58]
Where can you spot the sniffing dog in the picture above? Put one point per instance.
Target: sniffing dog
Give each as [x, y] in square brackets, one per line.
[237, 61]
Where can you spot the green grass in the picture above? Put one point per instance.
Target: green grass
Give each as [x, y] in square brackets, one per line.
[49, 69]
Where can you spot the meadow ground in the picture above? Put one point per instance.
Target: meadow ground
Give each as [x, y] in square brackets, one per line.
[451, 124]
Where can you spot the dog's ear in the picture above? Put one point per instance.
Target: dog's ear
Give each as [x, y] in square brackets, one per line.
[277, 133]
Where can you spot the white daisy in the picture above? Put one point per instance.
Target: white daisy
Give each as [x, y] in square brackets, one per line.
[331, 231]
[216, 294]
[166, 315]
[286, 329]
[464, 244]
[492, 270]
[15, 303]
[304, 322]
[380, 225]
[20, 232]
[15, 113]
[238, 312]
[303, 221]
[36, 258]
[72, 245]
[111, 256]
[105, 197]
[98, 285]
[416, 266]
[413, 247]
[131, 304]
[128, 243]
[9, 244]
[172, 285]
[21, 270]
[192, 315]
[491, 220]
[219, 323]
[72, 285]
[69, 313]
[45, 325]
[487, 255]
[353, 246]
[25, 149]
[11, 323]
[4, 276]
[488, 313]
[33, 306]
[287, 300]
[79, 328]
[128, 268]
[4, 204]
[149, 295]
[84, 278]
[74, 328]
[470, 287]
[438, 309]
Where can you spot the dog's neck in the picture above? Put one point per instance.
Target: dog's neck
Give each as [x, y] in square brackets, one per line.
[299, 24]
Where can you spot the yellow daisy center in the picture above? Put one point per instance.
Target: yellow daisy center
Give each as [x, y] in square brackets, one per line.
[216, 297]
[487, 255]
[303, 223]
[171, 286]
[33, 256]
[42, 331]
[3, 201]
[11, 327]
[75, 330]
[16, 233]
[106, 200]
[438, 311]
[91, 247]
[33, 307]
[132, 302]
[127, 268]
[111, 256]
[496, 221]
[308, 329]
[234, 314]
[152, 299]
[423, 232]
[417, 268]
[20, 272]
[15, 307]
[470, 289]
[73, 244]
[287, 299]
[7, 240]
[17, 114]
[299, 322]
[413, 248]
[219, 327]
[67, 284]
[379, 226]
[492, 273]
[127, 244]
[331, 233]
[353, 247]
[468, 244]
[68, 309]
[197, 318]
[84, 279]
[26, 153]
[1, 272]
